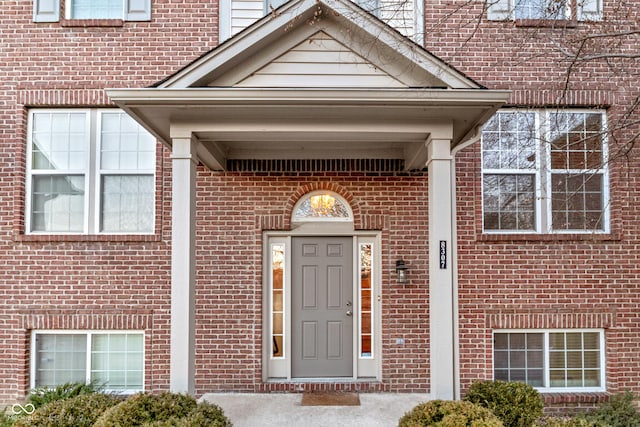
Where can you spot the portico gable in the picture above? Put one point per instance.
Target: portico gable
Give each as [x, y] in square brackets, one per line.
[316, 80]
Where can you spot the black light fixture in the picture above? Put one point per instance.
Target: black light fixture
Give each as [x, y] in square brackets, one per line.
[401, 271]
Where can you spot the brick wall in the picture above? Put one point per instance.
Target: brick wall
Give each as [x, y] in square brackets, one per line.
[231, 212]
[105, 283]
[76, 281]
[562, 281]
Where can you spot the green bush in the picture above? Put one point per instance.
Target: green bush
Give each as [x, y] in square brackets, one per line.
[43, 395]
[144, 408]
[7, 418]
[205, 415]
[516, 404]
[79, 411]
[619, 411]
[566, 422]
[443, 413]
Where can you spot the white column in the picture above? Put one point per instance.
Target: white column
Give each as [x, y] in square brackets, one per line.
[441, 251]
[183, 268]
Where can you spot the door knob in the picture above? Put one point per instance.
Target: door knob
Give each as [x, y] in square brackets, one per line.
[349, 313]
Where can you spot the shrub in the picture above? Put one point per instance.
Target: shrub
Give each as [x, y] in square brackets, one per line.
[205, 415]
[516, 404]
[619, 411]
[43, 395]
[79, 411]
[144, 408]
[566, 422]
[7, 418]
[443, 413]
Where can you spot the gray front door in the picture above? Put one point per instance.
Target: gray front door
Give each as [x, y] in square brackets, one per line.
[322, 307]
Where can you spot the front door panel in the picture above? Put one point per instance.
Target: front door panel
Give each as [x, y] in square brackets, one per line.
[322, 307]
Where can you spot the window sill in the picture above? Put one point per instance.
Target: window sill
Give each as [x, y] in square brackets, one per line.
[86, 23]
[546, 23]
[115, 238]
[559, 237]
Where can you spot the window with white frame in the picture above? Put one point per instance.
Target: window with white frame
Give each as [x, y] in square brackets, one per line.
[126, 10]
[368, 5]
[89, 171]
[581, 10]
[113, 360]
[404, 16]
[545, 171]
[322, 206]
[552, 360]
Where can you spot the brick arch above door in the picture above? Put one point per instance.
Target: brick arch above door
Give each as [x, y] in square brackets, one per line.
[362, 218]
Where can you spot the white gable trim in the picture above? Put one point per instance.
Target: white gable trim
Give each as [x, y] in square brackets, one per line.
[295, 15]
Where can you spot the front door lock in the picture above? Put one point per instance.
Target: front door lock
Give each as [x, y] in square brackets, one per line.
[349, 313]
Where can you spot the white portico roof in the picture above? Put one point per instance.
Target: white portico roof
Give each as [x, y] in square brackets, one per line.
[315, 79]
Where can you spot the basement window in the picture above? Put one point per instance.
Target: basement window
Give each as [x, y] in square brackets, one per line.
[553, 360]
[114, 360]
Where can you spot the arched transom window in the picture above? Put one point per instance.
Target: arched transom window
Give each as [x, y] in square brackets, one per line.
[322, 206]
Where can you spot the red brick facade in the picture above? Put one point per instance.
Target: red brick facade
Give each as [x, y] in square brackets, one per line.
[124, 282]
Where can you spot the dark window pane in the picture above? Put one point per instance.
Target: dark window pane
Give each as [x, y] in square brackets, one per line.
[501, 375]
[535, 377]
[518, 341]
[525, 220]
[593, 183]
[592, 378]
[501, 341]
[593, 201]
[576, 202]
[557, 378]
[591, 340]
[574, 341]
[508, 221]
[576, 220]
[501, 359]
[517, 359]
[492, 221]
[535, 359]
[491, 202]
[518, 375]
[534, 341]
[574, 359]
[557, 360]
[559, 160]
[574, 378]
[593, 122]
[556, 341]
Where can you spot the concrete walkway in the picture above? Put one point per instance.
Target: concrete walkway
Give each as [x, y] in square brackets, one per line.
[284, 410]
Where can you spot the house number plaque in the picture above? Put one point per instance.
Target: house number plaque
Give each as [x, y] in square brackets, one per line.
[443, 254]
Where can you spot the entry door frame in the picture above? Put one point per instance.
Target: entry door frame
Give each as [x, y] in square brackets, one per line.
[278, 369]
